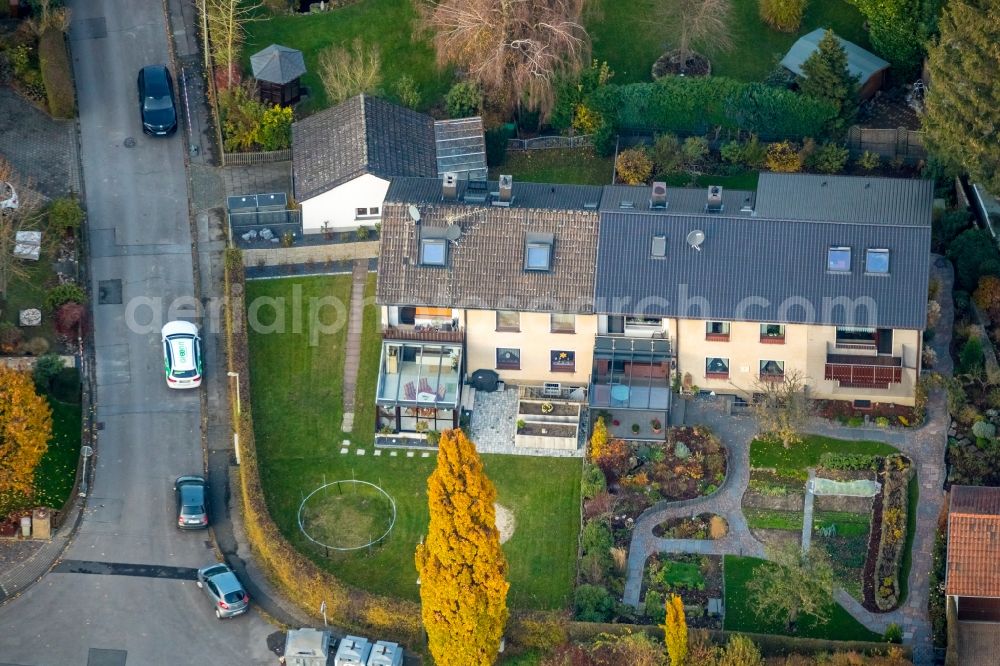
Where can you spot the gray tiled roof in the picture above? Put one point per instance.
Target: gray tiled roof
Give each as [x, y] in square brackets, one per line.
[857, 199]
[277, 64]
[362, 135]
[680, 200]
[860, 63]
[526, 195]
[486, 263]
[461, 147]
[752, 269]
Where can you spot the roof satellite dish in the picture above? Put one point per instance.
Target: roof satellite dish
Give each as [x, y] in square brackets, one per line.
[414, 213]
[453, 232]
[696, 238]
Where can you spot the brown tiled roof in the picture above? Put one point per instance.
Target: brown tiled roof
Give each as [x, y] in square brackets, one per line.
[973, 542]
[362, 135]
[485, 265]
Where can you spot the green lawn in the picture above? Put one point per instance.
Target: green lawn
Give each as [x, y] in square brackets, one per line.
[56, 472]
[793, 461]
[29, 292]
[371, 350]
[296, 390]
[848, 524]
[389, 24]
[578, 166]
[770, 519]
[622, 37]
[740, 615]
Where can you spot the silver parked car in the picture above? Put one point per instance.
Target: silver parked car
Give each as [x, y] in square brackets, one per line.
[225, 590]
[192, 501]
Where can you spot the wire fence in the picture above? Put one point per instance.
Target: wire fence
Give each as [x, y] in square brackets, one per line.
[902, 143]
[545, 142]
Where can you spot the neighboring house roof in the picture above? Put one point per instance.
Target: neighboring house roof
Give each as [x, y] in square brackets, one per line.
[860, 63]
[277, 64]
[461, 147]
[766, 266]
[363, 135]
[486, 263]
[973, 568]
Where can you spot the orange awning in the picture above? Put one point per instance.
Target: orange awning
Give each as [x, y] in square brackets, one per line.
[432, 312]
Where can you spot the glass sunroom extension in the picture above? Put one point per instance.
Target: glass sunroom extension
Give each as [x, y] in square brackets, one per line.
[419, 374]
[631, 373]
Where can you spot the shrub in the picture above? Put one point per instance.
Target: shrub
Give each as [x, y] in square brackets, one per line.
[53, 60]
[65, 215]
[634, 166]
[829, 158]
[984, 430]
[970, 359]
[783, 158]
[36, 346]
[782, 15]
[538, 631]
[986, 296]
[934, 315]
[731, 152]
[64, 293]
[667, 154]
[406, 92]
[586, 120]
[275, 129]
[240, 115]
[362, 233]
[974, 255]
[346, 73]
[69, 318]
[653, 607]
[592, 603]
[695, 150]
[10, 337]
[893, 633]
[849, 461]
[593, 482]
[869, 161]
[596, 537]
[464, 99]
[947, 226]
[46, 369]
[754, 153]
[717, 527]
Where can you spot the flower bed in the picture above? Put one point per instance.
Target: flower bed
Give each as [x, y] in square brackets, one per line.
[891, 534]
[702, 526]
[696, 578]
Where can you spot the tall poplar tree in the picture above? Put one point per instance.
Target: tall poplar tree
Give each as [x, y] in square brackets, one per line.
[962, 117]
[463, 571]
[675, 631]
[826, 77]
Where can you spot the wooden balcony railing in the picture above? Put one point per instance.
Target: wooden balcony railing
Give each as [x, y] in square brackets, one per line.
[877, 373]
[423, 334]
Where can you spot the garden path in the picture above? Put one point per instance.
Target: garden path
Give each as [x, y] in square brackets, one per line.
[807, 513]
[352, 356]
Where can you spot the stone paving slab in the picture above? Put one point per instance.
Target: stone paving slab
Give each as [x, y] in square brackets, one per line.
[44, 151]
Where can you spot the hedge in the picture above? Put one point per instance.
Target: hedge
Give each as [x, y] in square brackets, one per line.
[53, 59]
[297, 575]
[701, 105]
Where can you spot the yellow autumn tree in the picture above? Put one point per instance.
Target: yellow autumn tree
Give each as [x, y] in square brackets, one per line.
[25, 429]
[598, 439]
[463, 571]
[675, 630]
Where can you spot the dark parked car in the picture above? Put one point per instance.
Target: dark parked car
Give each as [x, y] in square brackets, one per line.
[192, 502]
[225, 590]
[156, 100]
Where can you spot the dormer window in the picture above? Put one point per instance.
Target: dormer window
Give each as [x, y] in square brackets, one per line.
[838, 259]
[538, 252]
[658, 248]
[877, 261]
[433, 252]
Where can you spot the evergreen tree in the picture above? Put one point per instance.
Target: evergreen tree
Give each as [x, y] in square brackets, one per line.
[463, 571]
[897, 29]
[962, 115]
[675, 631]
[826, 77]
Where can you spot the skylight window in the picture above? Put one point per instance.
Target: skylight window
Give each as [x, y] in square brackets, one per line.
[659, 246]
[877, 261]
[538, 252]
[838, 259]
[433, 252]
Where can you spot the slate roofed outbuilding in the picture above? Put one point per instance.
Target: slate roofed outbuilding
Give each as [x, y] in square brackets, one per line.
[363, 135]
[973, 568]
[277, 64]
[485, 267]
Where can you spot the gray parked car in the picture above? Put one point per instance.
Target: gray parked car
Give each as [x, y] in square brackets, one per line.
[225, 590]
[192, 501]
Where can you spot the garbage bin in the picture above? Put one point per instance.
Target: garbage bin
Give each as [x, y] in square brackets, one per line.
[26, 526]
[41, 524]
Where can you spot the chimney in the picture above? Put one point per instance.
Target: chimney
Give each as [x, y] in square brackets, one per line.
[658, 199]
[449, 185]
[506, 194]
[714, 204]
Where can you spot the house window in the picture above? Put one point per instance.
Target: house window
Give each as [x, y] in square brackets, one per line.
[717, 330]
[563, 323]
[838, 259]
[563, 361]
[772, 370]
[851, 337]
[433, 252]
[366, 212]
[538, 252]
[508, 358]
[772, 334]
[717, 368]
[877, 261]
[508, 320]
[659, 247]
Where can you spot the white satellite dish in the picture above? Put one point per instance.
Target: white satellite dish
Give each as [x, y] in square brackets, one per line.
[453, 232]
[696, 238]
[414, 213]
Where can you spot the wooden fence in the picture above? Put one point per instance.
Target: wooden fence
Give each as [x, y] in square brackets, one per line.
[250, 159]
[889, 143]
[542, 142]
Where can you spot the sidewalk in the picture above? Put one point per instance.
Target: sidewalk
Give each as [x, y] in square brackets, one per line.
[19, 577]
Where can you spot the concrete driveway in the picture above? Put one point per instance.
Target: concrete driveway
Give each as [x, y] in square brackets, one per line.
[94, 608]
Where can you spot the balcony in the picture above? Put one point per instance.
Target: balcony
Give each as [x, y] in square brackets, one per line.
[875, 372]
[424, 333]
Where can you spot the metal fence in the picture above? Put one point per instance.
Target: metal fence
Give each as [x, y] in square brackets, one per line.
[257, 229]
[900, 143]
[542, 142]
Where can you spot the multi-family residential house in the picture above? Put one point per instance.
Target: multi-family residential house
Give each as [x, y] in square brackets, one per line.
[617, 295]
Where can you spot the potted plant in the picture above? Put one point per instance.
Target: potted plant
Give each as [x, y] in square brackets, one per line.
[547, 408]
[656, 425]
[520, 425]
[635, 428]
[422, 426]
[386, 430]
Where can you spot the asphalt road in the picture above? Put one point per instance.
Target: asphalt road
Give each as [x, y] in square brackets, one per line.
[123, 592]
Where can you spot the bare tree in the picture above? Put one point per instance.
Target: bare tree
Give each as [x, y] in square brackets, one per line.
[346, 73]
[782, 408]
[226, 21]
[513, 48]
[13, 220]
[690, 25]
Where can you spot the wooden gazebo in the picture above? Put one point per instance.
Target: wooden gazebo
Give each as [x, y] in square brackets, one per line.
[277, 70]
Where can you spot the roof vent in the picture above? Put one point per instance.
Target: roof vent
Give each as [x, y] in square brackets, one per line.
[477, 191]
[747, 206]
[658, 199]
[506, 193]
[696, 238]
[590, 205]
[626, 204]
[714, 204]
[449, 185]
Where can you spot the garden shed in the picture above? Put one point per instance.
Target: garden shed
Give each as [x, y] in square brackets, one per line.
[973, 564]
[277, 70]
[868, 67]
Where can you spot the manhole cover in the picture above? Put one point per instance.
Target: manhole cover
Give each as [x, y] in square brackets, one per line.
[99, 657]
[129, 142]
[100, 425]
[109, 292]
[93, 28]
